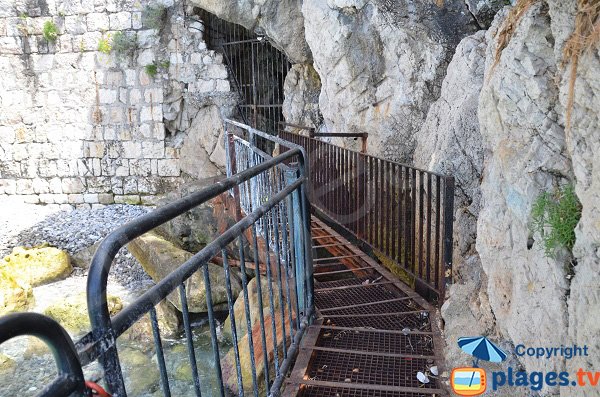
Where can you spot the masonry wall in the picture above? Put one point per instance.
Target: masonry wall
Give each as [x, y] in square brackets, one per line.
[81, 127]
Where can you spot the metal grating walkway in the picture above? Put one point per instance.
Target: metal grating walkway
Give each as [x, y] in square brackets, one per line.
[372, 333]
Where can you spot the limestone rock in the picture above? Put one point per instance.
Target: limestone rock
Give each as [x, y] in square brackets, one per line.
[381, 65]
[203, 224]
[37, 265]
[73, 315]
[583, 146]
[485, 10]
[450, 142]
[228, 363]
[202, 154]
[527, 153]
[7, 365]
[169, 324]
[240, 311]
[281, 21]
[302, 88]
[160, 257]
[83, 258]
[15, 295]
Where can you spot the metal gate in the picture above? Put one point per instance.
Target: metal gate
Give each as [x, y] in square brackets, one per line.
[257, 71]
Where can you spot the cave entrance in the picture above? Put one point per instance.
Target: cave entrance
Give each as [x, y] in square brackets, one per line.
[257, 71]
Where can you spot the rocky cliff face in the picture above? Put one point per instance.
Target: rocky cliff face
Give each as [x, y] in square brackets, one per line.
[382, 64]
[479, 89]
[500, 110]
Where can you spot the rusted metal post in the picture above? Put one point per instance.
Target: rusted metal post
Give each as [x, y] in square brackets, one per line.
[448, 241]
[364, 143]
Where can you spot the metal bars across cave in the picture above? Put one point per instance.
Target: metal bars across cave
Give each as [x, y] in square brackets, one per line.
[257, 71]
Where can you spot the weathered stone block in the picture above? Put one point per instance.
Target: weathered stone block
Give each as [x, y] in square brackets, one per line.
[97, 22]
[106, 198]
[136, 20]
[8, 186]
[90, 198]
[40, 186]
[130, 185]
[120, 21]
[151, 113]
[153, 95]
[24, 186]
[89, 42]
[75, 24]
[133, 199]
[10, 45]
[140, 167]
[31, 199]
[107, 96]
[55, 185]
[147, 38]
[75, 198]
[153, 149]
[61, 199]
[168, 167]
[215, 71]
[98, 184]
[132, 150]
[222, 86]
[73, 185]
[46, 198]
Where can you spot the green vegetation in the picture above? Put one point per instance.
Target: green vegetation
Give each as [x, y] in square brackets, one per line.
[104, 45]
[554, 217]
[123, 44]
[164, 64]
[50, 31]
[23, 25]
[153, 17]
[151, 69]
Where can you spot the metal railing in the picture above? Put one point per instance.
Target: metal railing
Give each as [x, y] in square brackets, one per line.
[403, 214]
[291, 315]
[242, 152]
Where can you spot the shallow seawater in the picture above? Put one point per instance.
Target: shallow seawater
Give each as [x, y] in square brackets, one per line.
[33, 367]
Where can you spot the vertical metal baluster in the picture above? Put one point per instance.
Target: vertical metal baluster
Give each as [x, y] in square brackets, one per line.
[413, 221]
[261, 315]
[230, 303]
[438, 276]
[280, 283]
[286, 248]
[164, 379]
[296, 247]
[189, 340]
[448, 237]
[247, 310]
[428, 233]
[272, 302]
[213, 330]
[421, 221]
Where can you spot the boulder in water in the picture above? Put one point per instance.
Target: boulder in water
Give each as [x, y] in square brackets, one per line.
[72, 312]
[15, 295]
[38, 265]
[160, 257]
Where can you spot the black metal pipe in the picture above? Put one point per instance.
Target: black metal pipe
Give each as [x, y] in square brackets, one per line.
[106, 330]
[70, 375]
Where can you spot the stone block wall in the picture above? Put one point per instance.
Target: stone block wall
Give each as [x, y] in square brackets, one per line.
[81, 127]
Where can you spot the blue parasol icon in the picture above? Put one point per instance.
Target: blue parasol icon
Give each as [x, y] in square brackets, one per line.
[482, 349]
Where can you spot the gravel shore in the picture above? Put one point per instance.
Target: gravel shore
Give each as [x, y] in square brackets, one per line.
[73, 231]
